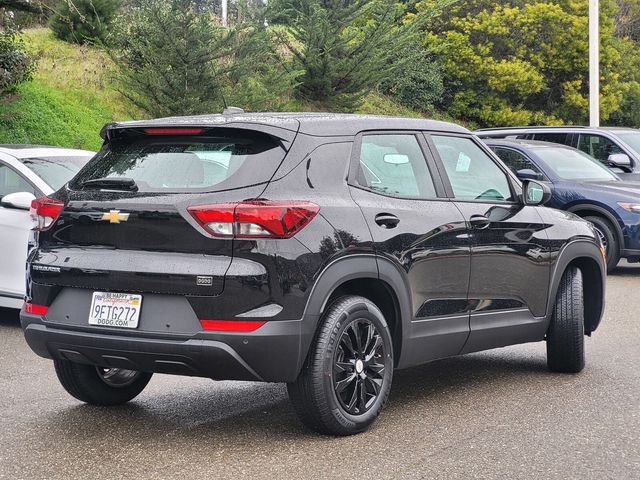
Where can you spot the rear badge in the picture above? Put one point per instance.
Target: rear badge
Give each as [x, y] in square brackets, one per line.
[114, 216]
[204, 281]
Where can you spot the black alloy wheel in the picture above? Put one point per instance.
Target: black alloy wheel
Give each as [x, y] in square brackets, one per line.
[358, 370]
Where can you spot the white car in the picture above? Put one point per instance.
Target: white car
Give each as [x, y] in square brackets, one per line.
[27, 172]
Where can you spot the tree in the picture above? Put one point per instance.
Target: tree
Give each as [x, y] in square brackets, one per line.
[526, 62]
[343, 48]
[174, 59]
[83, 21]
[16, 65]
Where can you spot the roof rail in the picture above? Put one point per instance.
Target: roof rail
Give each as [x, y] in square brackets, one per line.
[531, 127]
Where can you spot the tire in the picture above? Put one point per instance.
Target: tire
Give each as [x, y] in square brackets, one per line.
[333, 375]
[100, 386]
[565, 337]
[609, 237]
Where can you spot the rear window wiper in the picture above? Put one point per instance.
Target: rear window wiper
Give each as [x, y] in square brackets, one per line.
[111, 183]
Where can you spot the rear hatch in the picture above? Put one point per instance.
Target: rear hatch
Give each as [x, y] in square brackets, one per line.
[124, 225]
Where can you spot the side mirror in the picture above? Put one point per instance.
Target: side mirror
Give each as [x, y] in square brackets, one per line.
[18, 200]
[396, 159]
[528, 174]
[535, 193]
[620, 160]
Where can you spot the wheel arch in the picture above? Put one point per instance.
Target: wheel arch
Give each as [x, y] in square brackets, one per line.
[368, 276]
[589, 209]
[587, 257]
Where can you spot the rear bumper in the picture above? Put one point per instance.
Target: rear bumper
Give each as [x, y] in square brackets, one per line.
[271, 353]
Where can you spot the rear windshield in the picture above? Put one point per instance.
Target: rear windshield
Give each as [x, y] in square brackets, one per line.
[160, 164]
[56, 171]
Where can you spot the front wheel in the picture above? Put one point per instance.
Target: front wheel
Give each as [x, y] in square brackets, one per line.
[565, 337]
[98, 385]
[346, 379]
[609, 239]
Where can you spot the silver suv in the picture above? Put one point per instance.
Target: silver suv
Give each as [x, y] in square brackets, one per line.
[616, 147]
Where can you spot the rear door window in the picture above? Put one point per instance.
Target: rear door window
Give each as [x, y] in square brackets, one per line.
[563, 138]
[211, 163]
[598, 146]
[394, 165]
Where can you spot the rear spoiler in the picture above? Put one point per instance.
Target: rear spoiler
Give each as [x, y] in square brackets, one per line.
[285, 133]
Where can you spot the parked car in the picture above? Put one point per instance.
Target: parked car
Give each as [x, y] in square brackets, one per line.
[583, 186]
[331, 250]
[615, 147]
[27, 172]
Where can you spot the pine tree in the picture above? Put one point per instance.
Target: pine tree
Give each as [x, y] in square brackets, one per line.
[168, 56]
[343, 48]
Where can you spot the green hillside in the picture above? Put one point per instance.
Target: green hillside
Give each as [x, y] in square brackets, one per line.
[72, 96]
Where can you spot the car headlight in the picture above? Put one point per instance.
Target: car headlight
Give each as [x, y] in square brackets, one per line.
[630, 207]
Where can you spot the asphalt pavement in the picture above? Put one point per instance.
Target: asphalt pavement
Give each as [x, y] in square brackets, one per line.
[496, 414]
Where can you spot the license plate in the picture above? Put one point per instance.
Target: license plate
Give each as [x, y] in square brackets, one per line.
[115, 309]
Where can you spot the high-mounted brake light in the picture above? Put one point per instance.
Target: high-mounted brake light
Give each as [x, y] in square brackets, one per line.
[231, 325]
[256, 219]
[35, 309]
[44, 212]
[173, 131]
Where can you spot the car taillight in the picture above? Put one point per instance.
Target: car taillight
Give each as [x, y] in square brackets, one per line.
[256, 219]
[35, 309]
[231, 325]
[45, 211]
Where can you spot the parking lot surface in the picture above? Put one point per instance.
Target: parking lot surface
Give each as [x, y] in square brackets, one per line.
[497, 414]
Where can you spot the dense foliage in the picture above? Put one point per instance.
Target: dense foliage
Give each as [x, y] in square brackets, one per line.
[16, 65]
[175, 60]
[526, 62]
[343, 49]
[82, 21]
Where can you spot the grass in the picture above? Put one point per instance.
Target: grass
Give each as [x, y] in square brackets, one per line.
[72, 96]
[69, 99]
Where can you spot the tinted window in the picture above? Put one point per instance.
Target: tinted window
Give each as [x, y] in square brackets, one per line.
[572, 164]
[395, 165]
[630, 138]
[56, 171]
[12, 182]
[188, 163]
[516, 160]
[563, 138]
[472, 173]
[598, 146]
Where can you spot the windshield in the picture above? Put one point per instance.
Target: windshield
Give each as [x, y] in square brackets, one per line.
[56, 171]
[190, 163]
[630, 138]
[573, 164]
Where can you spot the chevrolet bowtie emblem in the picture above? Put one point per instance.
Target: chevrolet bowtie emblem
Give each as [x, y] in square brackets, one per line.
[114, 216]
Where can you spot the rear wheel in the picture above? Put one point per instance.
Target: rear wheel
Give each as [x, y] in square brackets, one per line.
[98, 385]
[346, 379]
[565, 337]
[609, 239]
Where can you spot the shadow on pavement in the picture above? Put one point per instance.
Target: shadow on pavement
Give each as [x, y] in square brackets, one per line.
[233, 412]
[626, 270]
[9, 317]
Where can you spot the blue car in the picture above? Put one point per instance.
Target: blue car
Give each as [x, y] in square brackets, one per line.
[583, 186]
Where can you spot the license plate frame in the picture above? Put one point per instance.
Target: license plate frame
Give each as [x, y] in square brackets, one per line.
[116, 310]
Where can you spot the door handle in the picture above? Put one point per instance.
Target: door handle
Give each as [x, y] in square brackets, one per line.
[387, 220]
[479, 221]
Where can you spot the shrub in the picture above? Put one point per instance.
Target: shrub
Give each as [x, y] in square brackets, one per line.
[83, 21]
[16, 65]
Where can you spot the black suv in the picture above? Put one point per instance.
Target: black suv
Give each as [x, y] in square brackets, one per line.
[319, 250]
[616, 147]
